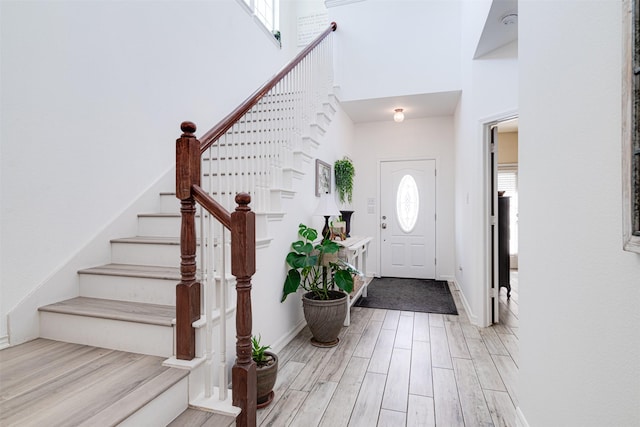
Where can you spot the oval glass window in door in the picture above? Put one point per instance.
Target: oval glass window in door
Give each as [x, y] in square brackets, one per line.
[407, 203]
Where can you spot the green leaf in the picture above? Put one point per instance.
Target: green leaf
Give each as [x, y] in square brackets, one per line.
[307, 232]
[311, 261]
[329, 247]
[296, 260]
[296, 246]
[344, 280]
[291, 283]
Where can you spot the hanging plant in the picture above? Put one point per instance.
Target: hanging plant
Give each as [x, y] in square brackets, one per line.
[344, 172]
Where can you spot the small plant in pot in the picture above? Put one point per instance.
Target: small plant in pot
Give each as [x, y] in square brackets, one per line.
[316, 268]
[266, 371]
[344, 172]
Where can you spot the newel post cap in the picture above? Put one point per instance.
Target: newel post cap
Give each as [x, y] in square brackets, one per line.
[188, 128]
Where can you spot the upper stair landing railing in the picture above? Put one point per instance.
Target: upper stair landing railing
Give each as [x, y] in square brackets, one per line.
[243, 157]
[251, 149]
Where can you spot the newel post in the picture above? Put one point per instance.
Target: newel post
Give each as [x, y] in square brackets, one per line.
[188, 290]
[243, 266]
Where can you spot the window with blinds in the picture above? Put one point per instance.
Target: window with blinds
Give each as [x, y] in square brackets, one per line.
[508, 182]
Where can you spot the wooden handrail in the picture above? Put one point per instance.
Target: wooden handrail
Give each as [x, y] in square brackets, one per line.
[241, 224]
[217, 131]
[214, 208]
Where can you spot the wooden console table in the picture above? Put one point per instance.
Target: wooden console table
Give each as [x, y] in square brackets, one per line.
[355, 251]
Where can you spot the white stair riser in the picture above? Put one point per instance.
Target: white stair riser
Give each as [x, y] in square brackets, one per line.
[147, 254]
[243, 183]
[162, 226]
[239, 165]
[163, 409]
[316, 131]
[323, 120]
[329, 109]
[134, 289]
[114, 334]
[169, 203]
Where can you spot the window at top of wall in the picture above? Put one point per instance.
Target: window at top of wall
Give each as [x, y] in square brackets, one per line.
[267, 13]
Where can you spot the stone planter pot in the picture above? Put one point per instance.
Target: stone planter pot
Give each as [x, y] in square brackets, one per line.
[325, 317]
[266, 379]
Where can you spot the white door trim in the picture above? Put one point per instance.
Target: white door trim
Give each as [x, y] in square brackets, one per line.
[485, 129]
[379, 204]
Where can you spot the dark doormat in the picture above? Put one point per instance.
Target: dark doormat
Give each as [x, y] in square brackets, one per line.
[428, 296]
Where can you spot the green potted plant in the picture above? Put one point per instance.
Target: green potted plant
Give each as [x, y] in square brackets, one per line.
[266, 371]
[344, 172]
[316, 268]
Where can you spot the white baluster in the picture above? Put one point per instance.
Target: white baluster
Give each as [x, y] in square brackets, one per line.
[222, 305]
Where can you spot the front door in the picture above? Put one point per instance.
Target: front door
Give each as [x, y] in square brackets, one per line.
[408, 218]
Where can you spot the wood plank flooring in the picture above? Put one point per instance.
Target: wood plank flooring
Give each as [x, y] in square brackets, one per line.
[52, 383]
[396, 368]
[391, 368]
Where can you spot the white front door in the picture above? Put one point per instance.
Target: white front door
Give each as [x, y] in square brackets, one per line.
[408, 218]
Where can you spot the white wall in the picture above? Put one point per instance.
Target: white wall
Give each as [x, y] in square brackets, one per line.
[411, 139]
[489, 90]
[390, 48]
[92, 97]
[580, 292]
[276, 321]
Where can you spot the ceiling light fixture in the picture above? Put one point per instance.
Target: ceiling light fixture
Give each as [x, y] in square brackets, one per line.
[509, 19]
[399, 115]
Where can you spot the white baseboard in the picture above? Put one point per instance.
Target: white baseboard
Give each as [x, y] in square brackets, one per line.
[447, 277]
[520, 419]
[4, 342]
[282, 342]
[472, 317]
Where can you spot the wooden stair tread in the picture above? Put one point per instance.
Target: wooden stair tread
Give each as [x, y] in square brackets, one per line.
[152, 314]
[162, 215]
[69, 384]
[152, 240]
[131, 270]
[195, 417]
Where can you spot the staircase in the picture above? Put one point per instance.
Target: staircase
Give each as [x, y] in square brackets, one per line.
[130, 304]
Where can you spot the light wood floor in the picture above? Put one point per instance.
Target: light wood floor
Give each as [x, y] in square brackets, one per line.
[391, 368]
[394, 368]
[52, 383]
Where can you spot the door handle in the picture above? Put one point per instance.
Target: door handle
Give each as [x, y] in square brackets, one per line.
[383, 225]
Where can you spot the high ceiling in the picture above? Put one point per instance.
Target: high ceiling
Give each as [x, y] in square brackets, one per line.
[500, 29]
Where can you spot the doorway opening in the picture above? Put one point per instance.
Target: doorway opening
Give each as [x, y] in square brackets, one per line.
[501, 142]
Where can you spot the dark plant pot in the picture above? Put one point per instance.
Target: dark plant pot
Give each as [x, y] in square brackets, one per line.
[346, 217]
[266, 378]
[325, 317]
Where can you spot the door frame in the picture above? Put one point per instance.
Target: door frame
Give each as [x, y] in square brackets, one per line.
[490, 199]
[436, 159]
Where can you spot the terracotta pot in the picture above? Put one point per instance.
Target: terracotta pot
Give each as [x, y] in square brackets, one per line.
[266, 380]
[325, 317]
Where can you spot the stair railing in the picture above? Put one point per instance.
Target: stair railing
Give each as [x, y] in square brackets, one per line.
[257, 140]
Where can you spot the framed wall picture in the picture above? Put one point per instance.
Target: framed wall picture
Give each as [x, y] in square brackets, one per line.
[631, 126]
[323, 178]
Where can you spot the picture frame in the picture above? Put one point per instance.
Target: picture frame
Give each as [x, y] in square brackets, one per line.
[323, 178]
[631, 126]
